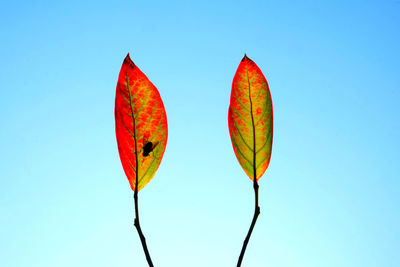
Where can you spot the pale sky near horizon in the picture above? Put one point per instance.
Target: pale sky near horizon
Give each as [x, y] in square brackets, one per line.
[330, 197]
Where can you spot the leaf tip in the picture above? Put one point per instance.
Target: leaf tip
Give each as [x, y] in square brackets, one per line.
[245, 57]
[129, 61]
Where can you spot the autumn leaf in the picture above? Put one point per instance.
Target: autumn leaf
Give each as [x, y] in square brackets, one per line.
[250, 119]
[140, 125]
[250, 122]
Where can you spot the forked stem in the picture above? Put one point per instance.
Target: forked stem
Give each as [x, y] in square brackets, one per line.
[137, 225]
[253, 222]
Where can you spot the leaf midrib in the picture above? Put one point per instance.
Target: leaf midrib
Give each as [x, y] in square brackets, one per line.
[134, 132]
[254, 129]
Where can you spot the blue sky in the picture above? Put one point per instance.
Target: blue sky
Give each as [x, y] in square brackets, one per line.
[329, 198]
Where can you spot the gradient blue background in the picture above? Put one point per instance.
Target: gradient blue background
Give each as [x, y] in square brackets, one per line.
[330, 197]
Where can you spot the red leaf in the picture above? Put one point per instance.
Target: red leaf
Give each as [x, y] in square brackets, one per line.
[140, 125]
[250, 119]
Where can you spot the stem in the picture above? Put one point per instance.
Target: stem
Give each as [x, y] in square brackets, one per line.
[137, 225]
[253, 222]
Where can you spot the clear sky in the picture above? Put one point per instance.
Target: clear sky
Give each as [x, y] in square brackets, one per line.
[331, 194]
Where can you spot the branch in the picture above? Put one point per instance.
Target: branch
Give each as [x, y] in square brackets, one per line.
[253, 222]
[137, 225]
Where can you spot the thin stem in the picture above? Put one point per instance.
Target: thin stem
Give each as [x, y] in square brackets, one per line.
[137, 225]
[253, 222]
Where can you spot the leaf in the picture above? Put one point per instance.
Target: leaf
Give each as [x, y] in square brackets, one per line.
[139, 118]
[250, 119]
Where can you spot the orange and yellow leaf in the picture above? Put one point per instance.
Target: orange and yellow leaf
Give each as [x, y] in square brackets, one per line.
[139, 118]
[250, 119]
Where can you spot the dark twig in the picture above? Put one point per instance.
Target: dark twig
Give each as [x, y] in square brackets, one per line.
[253, 222]
[137, 225]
